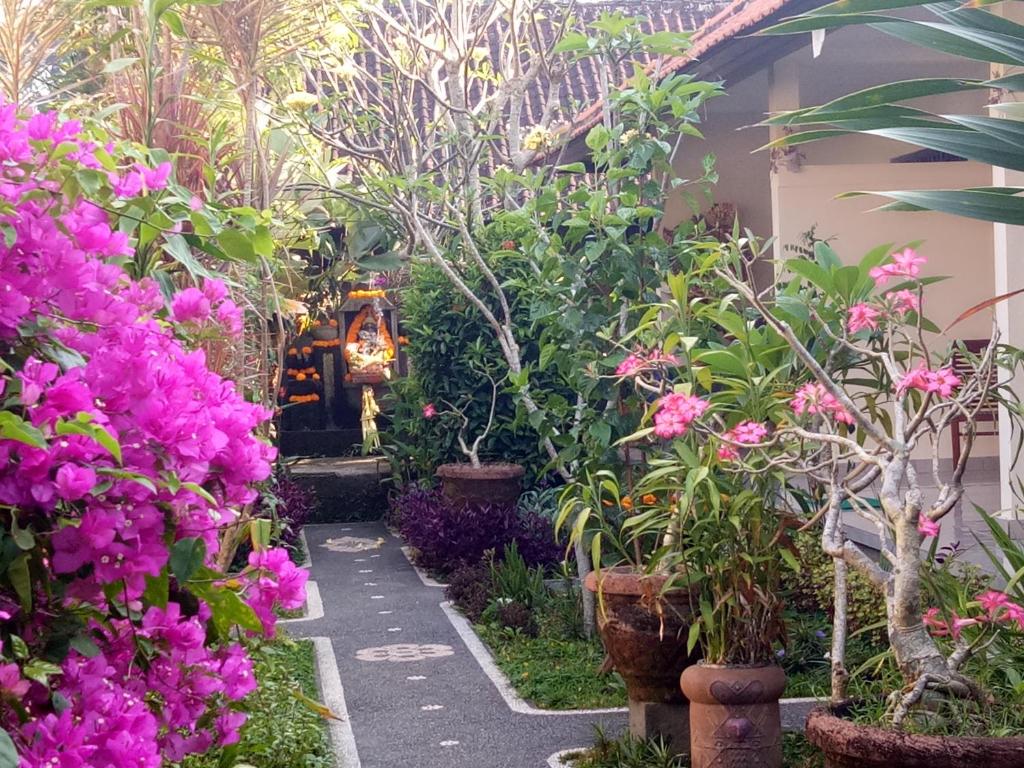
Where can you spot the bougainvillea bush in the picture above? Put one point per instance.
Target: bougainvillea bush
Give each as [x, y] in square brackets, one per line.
[122, 458]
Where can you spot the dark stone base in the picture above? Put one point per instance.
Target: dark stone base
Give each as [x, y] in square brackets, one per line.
[670, 722]
[348, 489]
[320, 442]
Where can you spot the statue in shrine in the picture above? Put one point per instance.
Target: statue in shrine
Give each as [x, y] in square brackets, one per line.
[369, 350]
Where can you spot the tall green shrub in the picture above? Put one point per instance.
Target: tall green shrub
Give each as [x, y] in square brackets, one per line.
[450, 349]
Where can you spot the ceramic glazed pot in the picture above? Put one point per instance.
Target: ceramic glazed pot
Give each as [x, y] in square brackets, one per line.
[487, 484]
[647, 646]
[734, 715]
[849, 745]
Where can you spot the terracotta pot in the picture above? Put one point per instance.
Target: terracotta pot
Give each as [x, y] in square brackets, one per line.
[647, 646]
[734, 715]
[486, 484]
[849, 745]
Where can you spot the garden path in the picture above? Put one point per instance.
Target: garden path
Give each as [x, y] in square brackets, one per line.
[416, 696]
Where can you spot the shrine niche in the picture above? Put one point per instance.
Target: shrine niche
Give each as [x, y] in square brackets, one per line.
[335, 373]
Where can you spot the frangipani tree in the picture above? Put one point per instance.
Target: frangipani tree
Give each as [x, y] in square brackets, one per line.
[861, 391]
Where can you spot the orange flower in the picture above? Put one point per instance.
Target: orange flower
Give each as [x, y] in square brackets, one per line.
[627, 503]
[649, 498]
[301, 377]
[307, 350]
[292, 351]
[333, 323]
[607, 503]
[316, 377]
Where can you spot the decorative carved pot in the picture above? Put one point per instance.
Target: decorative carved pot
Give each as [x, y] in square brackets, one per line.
[734, 715]
[644, 636]
[500, 484]
[849, 745]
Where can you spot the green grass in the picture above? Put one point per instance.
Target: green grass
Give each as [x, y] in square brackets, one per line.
[282, 732]
[629, 752]
[554, 673]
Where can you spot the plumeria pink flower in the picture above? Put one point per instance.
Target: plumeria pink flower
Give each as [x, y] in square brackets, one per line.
[676, 412]
[429, 411]
[813, 398]
[862, 316]
[905, 264]
[745, 433]
[903, 301]
[630, 366]
[941, 382]
[927, 527]
[992, 602]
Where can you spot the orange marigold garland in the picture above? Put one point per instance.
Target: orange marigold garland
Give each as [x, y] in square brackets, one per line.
[352, 337]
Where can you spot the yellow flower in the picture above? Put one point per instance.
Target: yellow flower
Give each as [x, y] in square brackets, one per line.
[537, 138]
[299, 101]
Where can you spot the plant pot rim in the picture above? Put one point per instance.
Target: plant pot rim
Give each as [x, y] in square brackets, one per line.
[753, 665]
[823, 720]
[486, 471]
[627, 580]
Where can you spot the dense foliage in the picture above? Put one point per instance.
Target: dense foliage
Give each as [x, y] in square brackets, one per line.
[446, 536]
[122, 459]
[451, 353]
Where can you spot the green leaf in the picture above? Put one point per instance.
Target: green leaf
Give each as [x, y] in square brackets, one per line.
[187, 556]
[237, 245]
[693, 637]
[177, 247]
[23, 537]
[21, 580]
[601, 431]
[85, 646]
[597, 137]
[40, 671]
[13, 427]
[83, 425]
[8, 754]
[1003, 206]
[259, 533]
[201, 492]
[790, 559]
[116, 65]
[157, 589]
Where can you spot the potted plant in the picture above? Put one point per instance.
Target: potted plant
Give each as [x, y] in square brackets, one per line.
[476, 481]
[866, 392]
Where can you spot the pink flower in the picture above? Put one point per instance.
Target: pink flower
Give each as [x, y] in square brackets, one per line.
[74, 482]
[906, 264]
[903, 301]
[941, 382]
[195, 203]
[992, 601]
[676, 412]
[630, 366]
[745, 433]
[155, 179]
[11, 682]
[35, 376]
[862, 316]
[813, 398]
[190, 305]
[927, 527]
[129, 185]
[429, 411]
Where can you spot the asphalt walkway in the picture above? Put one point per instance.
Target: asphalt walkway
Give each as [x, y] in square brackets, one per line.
[416, 695]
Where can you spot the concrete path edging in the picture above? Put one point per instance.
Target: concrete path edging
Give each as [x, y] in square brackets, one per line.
[314, 606]
[332, 694]
[483, 657]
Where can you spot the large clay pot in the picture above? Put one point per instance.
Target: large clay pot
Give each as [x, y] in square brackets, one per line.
[324, 332]
[499, 484]
[734, 715]
[644, 635]
[849, 745]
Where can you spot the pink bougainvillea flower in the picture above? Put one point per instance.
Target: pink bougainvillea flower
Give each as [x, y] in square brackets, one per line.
[941, 382]
[11, 682]
[862, 316]
[195, 203]
[154, 179]
[813, 398]
[128, 185]
[429, 411]
[905, 264]
[190, 305]
[676, 412]
[74, 482]
[903, 301]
